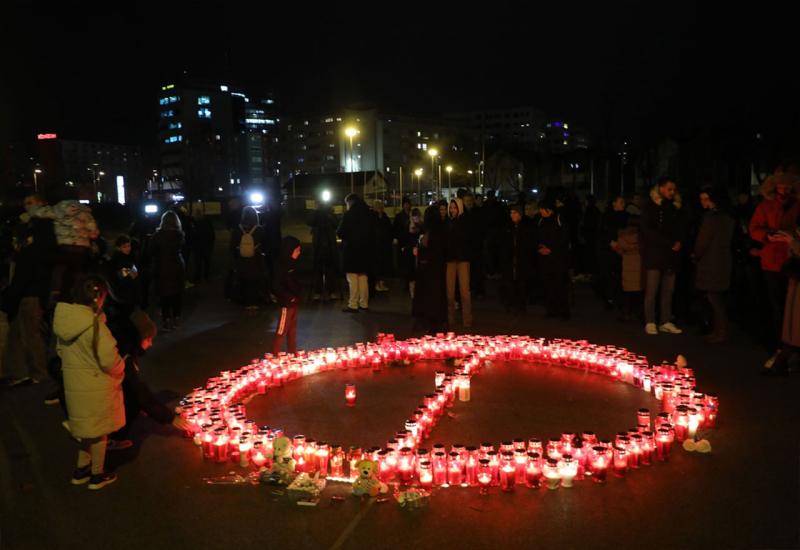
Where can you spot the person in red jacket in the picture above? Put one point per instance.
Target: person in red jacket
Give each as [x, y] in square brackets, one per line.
[771, 225]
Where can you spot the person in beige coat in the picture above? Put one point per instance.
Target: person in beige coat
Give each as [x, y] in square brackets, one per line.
[627, 245]
[93, 373]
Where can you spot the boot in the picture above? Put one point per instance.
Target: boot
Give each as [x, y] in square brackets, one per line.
[411, 287]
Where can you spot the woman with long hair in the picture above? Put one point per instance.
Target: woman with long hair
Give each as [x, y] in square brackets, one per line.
[93, 373]
[247, 249]
[169, 268]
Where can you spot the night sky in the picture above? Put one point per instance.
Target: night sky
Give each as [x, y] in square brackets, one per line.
[634, 71]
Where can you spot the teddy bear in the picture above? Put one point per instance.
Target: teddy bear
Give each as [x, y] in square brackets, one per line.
[282, 462]
[367, 482]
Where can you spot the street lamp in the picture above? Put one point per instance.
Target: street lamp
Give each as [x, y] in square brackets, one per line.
[36, 173]
[449, 170]
[418, 173]
[433, 154]
[351, 132]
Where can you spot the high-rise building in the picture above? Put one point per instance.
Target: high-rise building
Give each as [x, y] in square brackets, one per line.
[521, 126]
[216, 140]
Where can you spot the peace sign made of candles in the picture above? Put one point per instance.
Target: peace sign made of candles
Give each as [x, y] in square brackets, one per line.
[222, 430]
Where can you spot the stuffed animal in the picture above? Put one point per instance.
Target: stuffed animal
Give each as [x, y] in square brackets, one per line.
[367, 482]
[282, 461]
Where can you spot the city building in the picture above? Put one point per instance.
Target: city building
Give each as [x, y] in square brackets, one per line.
[521, 126]
[97, 171]
[216, 139]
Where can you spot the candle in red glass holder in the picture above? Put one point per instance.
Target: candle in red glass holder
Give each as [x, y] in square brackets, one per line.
[464, 388]
[422, 454]
[207, 442]
[580, 452]
[533, 470]
[635, 450]
[425, 474]
[484, 475]
[350, 394]
[405, 465]
[439, 468]
[554, 449]
[322, 456]
[664, 439]
[693, 424]
[589, 438]
[337, 461]
[643, 419]
[245, 445]
[551, 475]
[455, 474]
[310, 454]
[438, 379]
[221, 445]
[681, 423]
[535, 445]
[257, 455]
[485, 449]
[620, 461]
[567, 469]
[385, 470]
[471, 467]
[298, 446]
[601, 458]
[507, 473]
[494, 463]
[520, 464]
[354, 455]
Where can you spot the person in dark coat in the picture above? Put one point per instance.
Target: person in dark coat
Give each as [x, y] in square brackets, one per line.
[122, 273]
[662, 236]
[517, 261]
[712, 254]
[288, 290]
[383, 246]
[169, 271]
[407, 226]
[590, 227]
[609, 261]
[324, 251]
[552, 247]
[429, 303]
[473, 219]
[494, 219]
[249, 260]
[271, 221]
[204, 238]
[357, 231]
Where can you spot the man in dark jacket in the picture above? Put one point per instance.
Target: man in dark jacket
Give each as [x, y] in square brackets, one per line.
[475, 233]
[357, 231]
[287, 289]
[552, 247]
[662, 235]
[517, 259]
[325, 255]
[458, 256]
[383, 246]
[204, 237]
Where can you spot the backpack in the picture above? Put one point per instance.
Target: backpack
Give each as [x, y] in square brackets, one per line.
[247, 246]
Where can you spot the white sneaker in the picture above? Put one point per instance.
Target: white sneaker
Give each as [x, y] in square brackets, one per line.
[650, 328]
[670, 328]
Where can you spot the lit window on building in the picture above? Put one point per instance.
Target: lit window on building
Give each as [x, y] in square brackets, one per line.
[204, 100]
[204, 113]
[305, 122]
[175, 125]
[173, 139]
[419, 134]
[167, 114]
[329, 120]
[424, 146]
[223, 88]
[419, 146]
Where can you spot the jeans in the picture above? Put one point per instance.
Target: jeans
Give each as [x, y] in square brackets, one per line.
[667, 282]
[359, 290]
[458, 270]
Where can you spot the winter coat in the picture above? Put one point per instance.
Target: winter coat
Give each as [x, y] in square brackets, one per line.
[662, 227]
[252, 268]
[554, 234]
[430, 293]
[628, 241]
[383, 244]
[357, 231]
[92, 384]
[124, 287]
[712, 252]
[287, 287]
[791, 313]
[400, 228]
[518, 251]
[169, 269]
[458, 236]
[774, 213]
[73, 222]
[204, 236]
[323, 235]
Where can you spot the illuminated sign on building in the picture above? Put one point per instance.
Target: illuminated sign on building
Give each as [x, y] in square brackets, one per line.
[41, 137]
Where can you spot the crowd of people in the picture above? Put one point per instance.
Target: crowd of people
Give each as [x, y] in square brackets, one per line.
[77, 312]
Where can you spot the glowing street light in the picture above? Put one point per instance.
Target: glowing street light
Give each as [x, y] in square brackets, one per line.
[326, 196]
[433, 153]
[449, 170]
[418, 173]
[351, 132]
[36, 173]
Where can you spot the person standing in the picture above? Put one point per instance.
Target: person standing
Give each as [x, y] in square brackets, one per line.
[517, 260]
[168, 268]
[552, 247]
[627, 246]
[429, 302]
[204, 237]
[475, 238]
[458, 257]
[771, 225]
[383, 238]
[712, 254]
[407, 226]
[93, 373]
[324, 252]
[609, 261]
[287, 289]
[357, 231]
[247, 248]
[661, 239]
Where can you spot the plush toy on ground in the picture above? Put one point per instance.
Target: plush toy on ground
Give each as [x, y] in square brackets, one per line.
[367, 482]
[282, 461]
